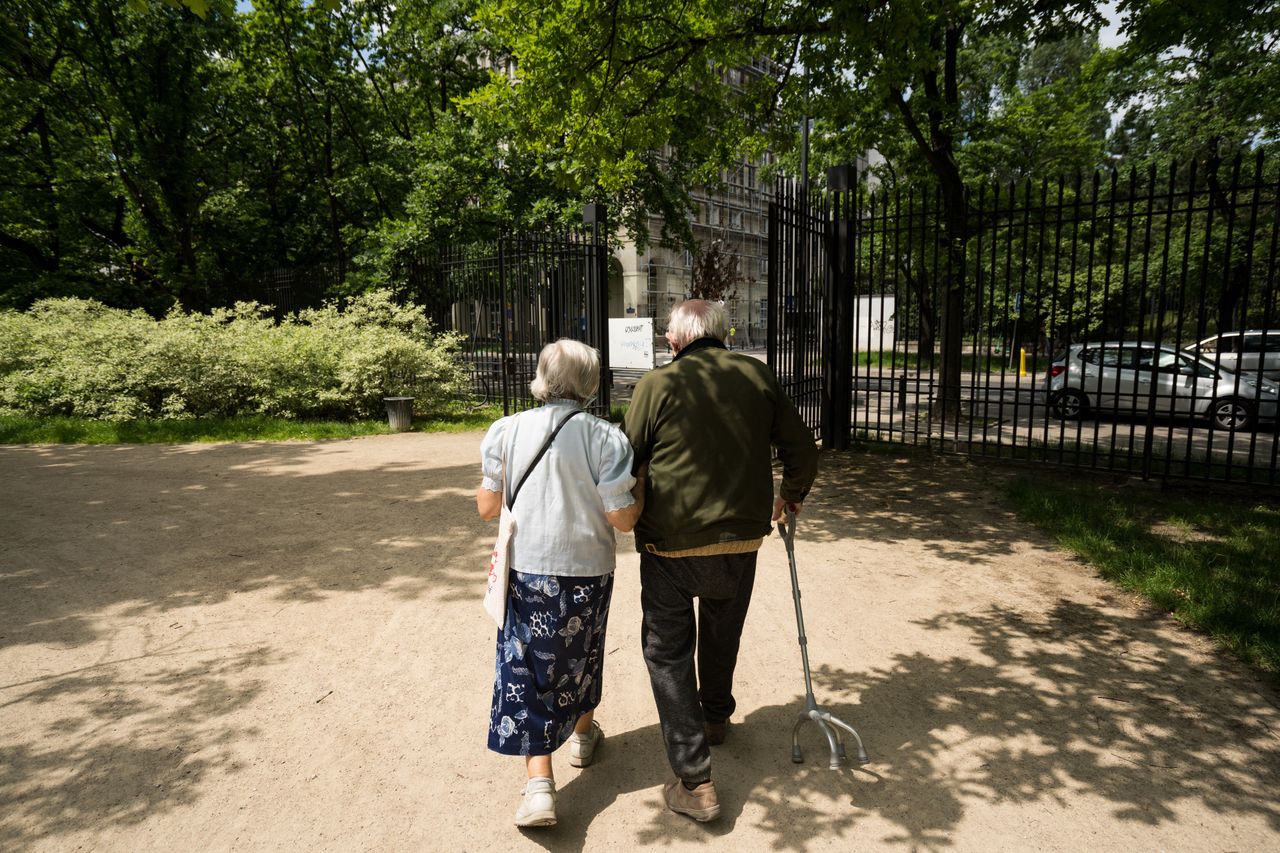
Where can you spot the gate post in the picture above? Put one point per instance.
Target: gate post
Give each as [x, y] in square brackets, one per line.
[837, 369]
[597, 306]
[773, 330]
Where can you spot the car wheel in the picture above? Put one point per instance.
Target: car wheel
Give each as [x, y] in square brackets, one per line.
[1069, 404]
[1232, 413]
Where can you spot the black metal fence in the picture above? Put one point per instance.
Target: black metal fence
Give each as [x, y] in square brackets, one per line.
[288, 290]
[1121, 321]
[510, 296]
[798, 296]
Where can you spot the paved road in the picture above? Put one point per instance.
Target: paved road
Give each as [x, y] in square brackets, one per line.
[1015, 414]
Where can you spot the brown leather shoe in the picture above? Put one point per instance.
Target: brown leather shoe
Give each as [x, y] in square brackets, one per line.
[716, 731]
[701, 803]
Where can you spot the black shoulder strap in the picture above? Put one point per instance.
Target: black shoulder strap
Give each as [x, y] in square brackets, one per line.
[534, 464]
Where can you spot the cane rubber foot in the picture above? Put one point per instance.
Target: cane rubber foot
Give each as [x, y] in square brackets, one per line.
[796, 757]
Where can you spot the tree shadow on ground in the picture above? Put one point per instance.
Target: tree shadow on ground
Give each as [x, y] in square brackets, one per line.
[126, 529]
[1073, 701]
[1074, 708]
[99, 545]
[939, 502]
[81, 773]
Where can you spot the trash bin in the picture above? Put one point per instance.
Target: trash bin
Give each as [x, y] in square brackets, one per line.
[399, 413]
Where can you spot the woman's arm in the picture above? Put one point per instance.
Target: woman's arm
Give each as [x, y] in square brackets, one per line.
[625, 519]
[488, 504]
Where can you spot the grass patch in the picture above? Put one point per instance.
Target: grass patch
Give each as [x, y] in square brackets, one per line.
[18, 429]
[457, 419]
[454, 417]
[1213, 564]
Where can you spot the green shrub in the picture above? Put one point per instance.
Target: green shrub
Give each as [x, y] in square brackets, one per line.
[79, 357]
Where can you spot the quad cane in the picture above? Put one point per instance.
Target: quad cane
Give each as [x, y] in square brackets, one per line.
[829, 724]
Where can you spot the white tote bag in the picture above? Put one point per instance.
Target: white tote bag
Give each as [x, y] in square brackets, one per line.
[495, 593]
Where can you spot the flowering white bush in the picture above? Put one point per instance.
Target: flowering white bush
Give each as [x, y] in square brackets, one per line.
[79, 357]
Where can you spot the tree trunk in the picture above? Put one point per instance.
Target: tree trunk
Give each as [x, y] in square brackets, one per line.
[924, 306]
[955, 234]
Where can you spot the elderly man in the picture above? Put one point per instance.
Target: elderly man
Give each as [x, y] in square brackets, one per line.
[704, 425]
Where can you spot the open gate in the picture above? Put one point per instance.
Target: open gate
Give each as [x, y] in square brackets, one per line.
[510, 296]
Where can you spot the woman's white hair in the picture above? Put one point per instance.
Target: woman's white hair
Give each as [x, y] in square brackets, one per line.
[697, 318]
[568, 370]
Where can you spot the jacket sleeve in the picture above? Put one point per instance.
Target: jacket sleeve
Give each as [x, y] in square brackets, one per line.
[638, 422]
[796, 448]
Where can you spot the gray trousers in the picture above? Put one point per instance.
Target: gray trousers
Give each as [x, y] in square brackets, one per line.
[670, 635]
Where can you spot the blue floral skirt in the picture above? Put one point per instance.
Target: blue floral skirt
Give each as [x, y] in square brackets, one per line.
[550, 660]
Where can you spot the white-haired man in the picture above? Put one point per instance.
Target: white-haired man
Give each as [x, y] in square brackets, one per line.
[706, 425]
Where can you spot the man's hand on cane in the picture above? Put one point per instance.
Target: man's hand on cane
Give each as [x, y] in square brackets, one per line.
[779, 504]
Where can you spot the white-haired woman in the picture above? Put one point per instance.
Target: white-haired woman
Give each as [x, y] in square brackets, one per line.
[550, 655]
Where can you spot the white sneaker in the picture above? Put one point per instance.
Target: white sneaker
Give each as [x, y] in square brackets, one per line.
[582, 748]
[538, 805]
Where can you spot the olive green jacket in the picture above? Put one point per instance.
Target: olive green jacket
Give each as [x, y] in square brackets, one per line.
[705, 424]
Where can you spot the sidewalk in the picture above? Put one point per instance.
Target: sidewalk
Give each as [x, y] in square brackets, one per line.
[280, 646]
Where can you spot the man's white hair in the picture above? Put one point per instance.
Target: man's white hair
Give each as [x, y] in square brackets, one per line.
[697, 318]
[568, 370]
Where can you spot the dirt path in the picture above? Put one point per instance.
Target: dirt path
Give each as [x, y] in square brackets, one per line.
[280, 646]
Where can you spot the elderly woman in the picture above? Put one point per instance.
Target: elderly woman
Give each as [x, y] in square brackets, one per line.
[550, 656]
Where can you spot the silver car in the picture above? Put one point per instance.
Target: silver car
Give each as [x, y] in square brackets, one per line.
[1245, 352]
[1122, 376]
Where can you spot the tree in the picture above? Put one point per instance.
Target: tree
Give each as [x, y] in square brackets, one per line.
[716, 275]
[1199, 81]
[116, 130]
[154, 152]
[601, 84]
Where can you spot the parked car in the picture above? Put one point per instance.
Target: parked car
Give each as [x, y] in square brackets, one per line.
[1122, 376]
[1245, 352]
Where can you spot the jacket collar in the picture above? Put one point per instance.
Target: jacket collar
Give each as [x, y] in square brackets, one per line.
[700, 343]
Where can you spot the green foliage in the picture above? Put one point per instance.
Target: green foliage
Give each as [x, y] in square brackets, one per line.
[80, 358]
[162, 151]
[168, 151]
[1197, 79]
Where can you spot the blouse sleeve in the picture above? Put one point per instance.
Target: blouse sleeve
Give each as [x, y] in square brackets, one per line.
[491, 450]
[615, 471]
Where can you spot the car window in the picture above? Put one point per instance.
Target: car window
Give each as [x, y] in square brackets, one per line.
[1209, 346]
[1102, 356]
[1167, 362]
[1140, 357]
[1188, 366]
[1229, 343]
[1255, 343]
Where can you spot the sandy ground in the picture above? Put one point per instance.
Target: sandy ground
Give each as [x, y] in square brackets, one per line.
[281, 647]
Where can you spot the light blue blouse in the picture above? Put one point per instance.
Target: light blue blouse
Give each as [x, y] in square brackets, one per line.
[561, 527]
